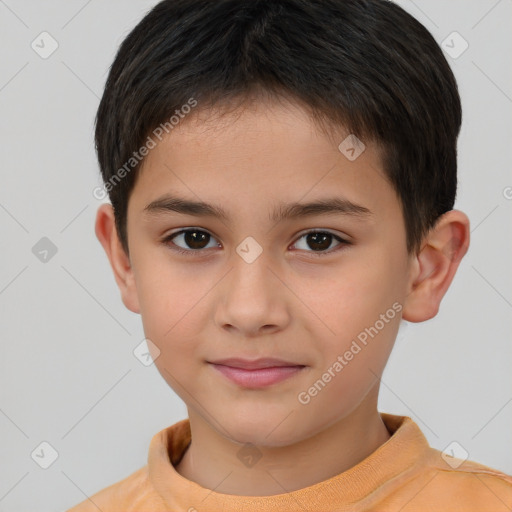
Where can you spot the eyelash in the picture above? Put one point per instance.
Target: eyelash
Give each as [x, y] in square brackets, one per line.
[196, 252]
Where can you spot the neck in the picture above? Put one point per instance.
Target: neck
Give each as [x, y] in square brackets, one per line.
[213, 462]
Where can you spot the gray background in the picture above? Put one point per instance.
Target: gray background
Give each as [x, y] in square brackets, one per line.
[68, 373]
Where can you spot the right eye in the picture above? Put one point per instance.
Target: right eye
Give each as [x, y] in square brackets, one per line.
[195, 239]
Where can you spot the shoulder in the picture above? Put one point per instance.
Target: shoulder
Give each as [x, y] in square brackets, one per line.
[472, 485]
[454, 465]
[120, 496]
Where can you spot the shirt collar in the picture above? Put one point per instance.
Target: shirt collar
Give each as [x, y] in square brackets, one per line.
[401, 452]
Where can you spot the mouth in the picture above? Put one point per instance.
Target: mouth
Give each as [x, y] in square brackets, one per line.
[256, 364]
[256, 374]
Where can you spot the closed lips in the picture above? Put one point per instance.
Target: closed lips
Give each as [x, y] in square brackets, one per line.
[246, 364]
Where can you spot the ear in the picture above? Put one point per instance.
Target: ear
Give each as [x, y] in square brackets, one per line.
[433, 268]
[120, 262]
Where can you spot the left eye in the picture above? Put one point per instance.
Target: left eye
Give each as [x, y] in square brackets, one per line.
[320, 240]
[197, 239]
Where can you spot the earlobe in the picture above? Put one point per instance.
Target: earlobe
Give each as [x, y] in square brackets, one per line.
[106, 233]
[434, 267]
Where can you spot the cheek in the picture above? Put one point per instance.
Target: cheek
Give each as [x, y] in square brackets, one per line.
[349, 298]
[360, 308]
[170, 321]
[171, 325]
[350, 368]
[169, 294]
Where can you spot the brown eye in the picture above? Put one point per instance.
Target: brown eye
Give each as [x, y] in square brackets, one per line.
[193, 242]
[189, 240]
[196, 239]
[320, 241]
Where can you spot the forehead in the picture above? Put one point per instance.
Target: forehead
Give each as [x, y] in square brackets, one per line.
[258, 158]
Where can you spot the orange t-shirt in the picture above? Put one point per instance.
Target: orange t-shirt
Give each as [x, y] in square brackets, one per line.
[404, 474]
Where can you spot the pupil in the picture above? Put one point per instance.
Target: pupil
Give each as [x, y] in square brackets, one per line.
[195, 238]
[319, 238]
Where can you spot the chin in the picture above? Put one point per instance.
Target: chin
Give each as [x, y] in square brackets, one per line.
[270, 431]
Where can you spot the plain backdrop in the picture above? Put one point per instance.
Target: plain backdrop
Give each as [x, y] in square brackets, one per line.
[69, 377]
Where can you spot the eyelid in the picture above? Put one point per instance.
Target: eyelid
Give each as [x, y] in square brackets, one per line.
[322, 230]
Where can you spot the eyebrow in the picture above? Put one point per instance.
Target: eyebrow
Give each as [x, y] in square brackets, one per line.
[284, 211]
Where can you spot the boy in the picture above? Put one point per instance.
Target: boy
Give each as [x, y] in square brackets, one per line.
[235, 139]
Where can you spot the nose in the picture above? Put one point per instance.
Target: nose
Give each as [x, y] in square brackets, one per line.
[252, 298]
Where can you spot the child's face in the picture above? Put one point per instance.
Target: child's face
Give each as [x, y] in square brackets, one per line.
[291, 302]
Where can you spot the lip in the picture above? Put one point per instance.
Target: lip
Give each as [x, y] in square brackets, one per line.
[256, 374]
[255, 364]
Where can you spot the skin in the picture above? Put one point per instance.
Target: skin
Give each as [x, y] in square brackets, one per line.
[288, 303]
